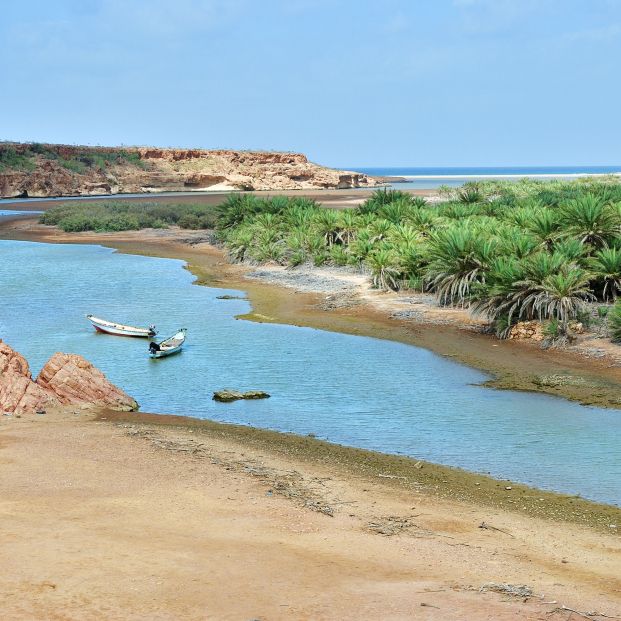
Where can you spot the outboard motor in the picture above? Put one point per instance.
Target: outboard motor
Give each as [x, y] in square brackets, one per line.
[152, 330]
[153, 347]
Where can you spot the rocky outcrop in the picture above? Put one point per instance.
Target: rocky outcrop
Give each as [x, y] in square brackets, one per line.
[18, 392]
[66, 379]
[63, 170]
[527, 330]
[227, 395]
[74, 380]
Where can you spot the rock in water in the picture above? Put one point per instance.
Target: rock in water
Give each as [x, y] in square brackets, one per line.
[18, 393]
[233, 395]
[75, 381]
[66, 379]
[255, 394]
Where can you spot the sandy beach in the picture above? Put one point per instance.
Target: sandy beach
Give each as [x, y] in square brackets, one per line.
[144, 517]
[156, 517]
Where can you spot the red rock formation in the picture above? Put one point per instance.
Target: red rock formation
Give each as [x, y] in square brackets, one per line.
[163, 169]
[66, 379]
[74, 381]
[18, 393]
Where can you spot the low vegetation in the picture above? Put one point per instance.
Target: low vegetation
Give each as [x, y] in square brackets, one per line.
[74, 216]
[25, 158]
[508, 251]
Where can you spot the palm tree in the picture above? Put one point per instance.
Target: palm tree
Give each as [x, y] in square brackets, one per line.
[384, 270]
[470, 193]
[380, 229]
[606, 266]
[591, 219]
[327, 222]
[571, 249]
[382, 197]
[544, 225]
[235, 209]
[238, 244]
[458, 258]
[348, 225]
[423, 220]
[361, 247]
[561, 296]
[404, 234]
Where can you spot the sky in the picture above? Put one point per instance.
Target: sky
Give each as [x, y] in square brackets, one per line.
[348, 83]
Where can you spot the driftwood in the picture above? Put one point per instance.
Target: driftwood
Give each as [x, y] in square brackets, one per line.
[490, 527]
[591, 615]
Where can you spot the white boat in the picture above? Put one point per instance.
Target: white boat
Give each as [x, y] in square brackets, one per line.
[119, 329]
[168, 347]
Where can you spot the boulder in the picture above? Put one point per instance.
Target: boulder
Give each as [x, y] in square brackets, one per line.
[227, 395]
[527, 330]
[66, 379]
[18, 393]
[75, 381]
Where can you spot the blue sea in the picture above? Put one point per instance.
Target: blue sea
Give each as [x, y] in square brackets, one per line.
[433, 177]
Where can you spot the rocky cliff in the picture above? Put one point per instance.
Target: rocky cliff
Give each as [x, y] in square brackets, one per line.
[41, 170]
[66, 379]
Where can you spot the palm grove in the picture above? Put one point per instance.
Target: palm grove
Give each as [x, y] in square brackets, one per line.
[510, 251]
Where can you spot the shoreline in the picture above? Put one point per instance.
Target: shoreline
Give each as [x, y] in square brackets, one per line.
[591, 376]
[173, 507]
[398, 471]
[309, 309]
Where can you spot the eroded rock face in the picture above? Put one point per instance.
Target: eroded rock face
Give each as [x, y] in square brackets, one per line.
[18, 393]
[168, 170]
[66, 379]
[74, 381]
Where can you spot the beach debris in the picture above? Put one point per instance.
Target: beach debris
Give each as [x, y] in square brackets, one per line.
[310, 493]
[592, 615]
[391, 525]
[514, 590]
[487, 526]
[228, 395]
[231, 297]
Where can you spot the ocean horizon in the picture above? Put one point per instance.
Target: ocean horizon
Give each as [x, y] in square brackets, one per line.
[426, 177]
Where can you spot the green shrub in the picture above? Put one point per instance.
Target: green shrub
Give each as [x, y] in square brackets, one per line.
[128, 215]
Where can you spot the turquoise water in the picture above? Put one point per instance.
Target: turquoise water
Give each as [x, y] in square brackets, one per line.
[433, 177]
[15, 212]
[353, 390]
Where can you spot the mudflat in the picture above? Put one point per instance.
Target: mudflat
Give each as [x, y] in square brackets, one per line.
[140, 517]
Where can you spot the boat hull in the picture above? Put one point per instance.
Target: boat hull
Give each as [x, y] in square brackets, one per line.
[107, 327]
[165, 352]
[169, 346]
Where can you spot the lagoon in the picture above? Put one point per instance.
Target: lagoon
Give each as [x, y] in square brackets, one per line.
[358, 391]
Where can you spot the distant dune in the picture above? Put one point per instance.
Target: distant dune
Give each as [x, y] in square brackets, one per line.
[44, 170]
